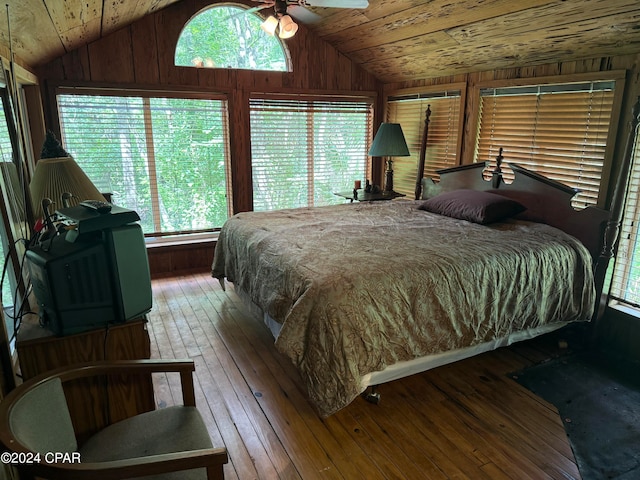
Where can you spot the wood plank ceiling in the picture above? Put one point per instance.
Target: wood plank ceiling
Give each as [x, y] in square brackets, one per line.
[396, 40]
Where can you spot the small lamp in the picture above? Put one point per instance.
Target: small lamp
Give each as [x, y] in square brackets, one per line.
[270, 25]
[389, 142]
[62, 181]
[288, 27]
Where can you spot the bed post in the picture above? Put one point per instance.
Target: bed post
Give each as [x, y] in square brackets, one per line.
[612, 228]
[496, 174]
[423, 153]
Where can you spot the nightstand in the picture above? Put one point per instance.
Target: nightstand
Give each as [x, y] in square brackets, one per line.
[369, 197]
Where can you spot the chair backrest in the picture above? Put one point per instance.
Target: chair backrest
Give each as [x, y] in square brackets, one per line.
[40, 419]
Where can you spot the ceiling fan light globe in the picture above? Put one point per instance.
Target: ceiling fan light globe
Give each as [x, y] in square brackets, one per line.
[270, 25]
[338, 3]
[288, 27]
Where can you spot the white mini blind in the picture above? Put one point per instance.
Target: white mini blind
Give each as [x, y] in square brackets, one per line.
[559, 131]
[6, 147]
[442, 140]
[303, 151]
[625, 285]
[165, 158]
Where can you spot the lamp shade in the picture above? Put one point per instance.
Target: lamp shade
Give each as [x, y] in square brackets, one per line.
[389, 142]
[270, 25]
[288, 27]
[54, 177]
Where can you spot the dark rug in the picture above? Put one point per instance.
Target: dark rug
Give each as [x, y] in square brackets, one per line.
[599, 402]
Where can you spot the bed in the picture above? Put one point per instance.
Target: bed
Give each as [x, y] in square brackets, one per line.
[361, 294]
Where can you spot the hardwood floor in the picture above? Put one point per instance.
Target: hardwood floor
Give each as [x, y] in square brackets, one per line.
[468, 420]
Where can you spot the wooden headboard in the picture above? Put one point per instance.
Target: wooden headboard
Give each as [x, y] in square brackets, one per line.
[546, 200]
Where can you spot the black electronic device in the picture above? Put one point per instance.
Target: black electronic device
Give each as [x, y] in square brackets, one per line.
[87, 220]
[90, 280]
[97, 205]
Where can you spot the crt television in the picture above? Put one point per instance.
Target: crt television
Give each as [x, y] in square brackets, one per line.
[91, 280]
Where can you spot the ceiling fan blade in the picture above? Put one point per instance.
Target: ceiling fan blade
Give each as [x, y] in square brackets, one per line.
[338, 3]
[304, 15]
[255, 9]
[251, 10]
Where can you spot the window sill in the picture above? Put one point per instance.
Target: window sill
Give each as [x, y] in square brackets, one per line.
[182, 240]
[626, 309]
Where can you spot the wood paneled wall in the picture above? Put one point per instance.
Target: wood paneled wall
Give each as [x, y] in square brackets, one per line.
[170, 260]
[628, 65]
[142, 55]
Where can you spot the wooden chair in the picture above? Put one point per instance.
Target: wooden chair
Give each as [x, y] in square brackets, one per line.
[167, 443]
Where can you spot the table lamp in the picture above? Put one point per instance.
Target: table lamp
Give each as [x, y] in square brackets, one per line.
[62, 181]
[389, 142]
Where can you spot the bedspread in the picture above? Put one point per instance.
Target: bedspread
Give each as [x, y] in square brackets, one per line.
[358, 287]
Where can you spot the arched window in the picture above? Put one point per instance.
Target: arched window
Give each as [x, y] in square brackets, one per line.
[229, 36]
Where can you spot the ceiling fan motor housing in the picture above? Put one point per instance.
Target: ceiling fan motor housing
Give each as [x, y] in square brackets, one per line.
[280, 7]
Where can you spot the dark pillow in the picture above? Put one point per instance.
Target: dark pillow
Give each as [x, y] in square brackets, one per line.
[473, 206]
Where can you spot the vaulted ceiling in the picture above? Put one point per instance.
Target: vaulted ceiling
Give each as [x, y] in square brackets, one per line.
[396, 40]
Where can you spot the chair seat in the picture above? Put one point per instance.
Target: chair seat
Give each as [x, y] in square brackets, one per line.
[166, 430]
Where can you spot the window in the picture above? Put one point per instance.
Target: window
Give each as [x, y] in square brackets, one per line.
[165, 158]
[625, 287]
[229, 37]
[6, 148]
[304, 151]
[443, 139]
[14, 226]
[9, 249]
[559, 131]
[12, 229]
[6, 157]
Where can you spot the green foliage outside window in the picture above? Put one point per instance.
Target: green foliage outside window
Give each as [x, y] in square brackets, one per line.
[302, 152]
[190, 144]
[229, 37]
[162, 157]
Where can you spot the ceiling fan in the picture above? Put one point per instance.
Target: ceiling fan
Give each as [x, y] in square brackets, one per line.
[285, 9]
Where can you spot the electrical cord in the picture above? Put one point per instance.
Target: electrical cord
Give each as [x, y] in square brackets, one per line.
[6, 264]
[4, 273]
[21, 312]
[18, 304]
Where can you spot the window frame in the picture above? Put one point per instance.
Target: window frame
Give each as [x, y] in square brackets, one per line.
[617, 76]
[628, 227]
[15, 228]
[369, 99]
[64, 88]
[425, 93]
[283, 46]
